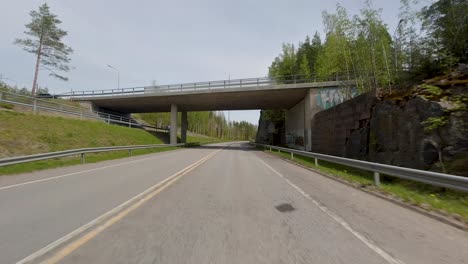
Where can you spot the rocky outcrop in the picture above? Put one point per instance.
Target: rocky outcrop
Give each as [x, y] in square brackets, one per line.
[398, 136]
[425, 127]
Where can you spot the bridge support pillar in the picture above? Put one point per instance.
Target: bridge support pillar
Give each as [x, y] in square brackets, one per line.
[183, 127]
[173, 130]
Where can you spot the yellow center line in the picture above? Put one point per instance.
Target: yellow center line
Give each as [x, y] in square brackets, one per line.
[97, 230]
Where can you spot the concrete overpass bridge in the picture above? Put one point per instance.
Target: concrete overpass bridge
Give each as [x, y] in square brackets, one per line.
[301, 97]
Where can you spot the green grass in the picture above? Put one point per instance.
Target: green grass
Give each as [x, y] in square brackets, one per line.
[6, 105]
[426, 196]
[24, 134]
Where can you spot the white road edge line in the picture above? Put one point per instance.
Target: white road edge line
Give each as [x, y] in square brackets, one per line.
[78, 172]
[369, 243]
[113, 211]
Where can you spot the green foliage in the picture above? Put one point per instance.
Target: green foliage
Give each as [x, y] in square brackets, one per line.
[304, 68]
[46, 43]
[437, 46]
[461, 103]
[293, 62]
[359, 48]
[285, 65]
[432, 89]
[207, 123]
[446, 22]
[433, 123]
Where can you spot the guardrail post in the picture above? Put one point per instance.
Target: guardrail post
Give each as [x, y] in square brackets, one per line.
[108, 119]
[224, 86]
[316, 162]
[83, 158]
[130, 152]
[35, 106]
[376, 179]
[292, 155]
[270, 149]
[130, 123]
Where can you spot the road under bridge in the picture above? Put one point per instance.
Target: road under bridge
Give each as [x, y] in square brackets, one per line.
[302, 98]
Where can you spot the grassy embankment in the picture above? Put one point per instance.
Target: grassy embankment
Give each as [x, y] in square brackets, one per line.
[23, 134]
[448, 202]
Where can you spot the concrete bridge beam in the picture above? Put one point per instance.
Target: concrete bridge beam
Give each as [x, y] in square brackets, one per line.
[173, 130]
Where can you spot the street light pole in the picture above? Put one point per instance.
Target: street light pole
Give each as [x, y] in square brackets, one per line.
[118, 75]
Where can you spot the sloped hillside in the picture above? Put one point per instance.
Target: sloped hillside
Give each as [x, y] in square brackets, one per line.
[22, 134]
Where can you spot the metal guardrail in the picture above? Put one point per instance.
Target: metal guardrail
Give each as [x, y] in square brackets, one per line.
[455, 182]
[210, 85]
[81, 152]
[40, 104]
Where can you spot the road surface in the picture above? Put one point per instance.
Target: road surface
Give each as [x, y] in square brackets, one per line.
[225, 203]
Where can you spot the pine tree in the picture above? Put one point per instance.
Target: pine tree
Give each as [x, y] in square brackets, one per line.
[46, 43]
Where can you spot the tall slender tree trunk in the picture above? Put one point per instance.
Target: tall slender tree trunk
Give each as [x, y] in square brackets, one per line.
[36, 72]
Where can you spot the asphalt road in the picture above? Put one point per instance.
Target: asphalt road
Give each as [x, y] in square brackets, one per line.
[225, 203]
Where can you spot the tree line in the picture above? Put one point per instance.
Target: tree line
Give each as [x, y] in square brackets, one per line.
[209, 123]
[427, 41]
[22, 91]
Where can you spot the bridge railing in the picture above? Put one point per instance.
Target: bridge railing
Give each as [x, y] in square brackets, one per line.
[81, 152]
[253, 83]
[37, 104]
[455, 182]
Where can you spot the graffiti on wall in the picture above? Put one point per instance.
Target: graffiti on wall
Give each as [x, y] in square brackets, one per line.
[329, 97]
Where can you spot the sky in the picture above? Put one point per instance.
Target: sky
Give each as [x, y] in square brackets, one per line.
[168, 41]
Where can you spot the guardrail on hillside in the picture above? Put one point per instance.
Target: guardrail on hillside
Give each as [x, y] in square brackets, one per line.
[81, 152]
[455, 182]
[210, 85]
[40, 104]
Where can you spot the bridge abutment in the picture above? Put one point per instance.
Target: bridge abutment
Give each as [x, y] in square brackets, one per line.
[299, 118]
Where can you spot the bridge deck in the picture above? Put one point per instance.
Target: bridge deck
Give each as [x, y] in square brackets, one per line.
[235, 95]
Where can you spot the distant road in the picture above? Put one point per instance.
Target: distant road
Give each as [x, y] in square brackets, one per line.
[224, 203]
